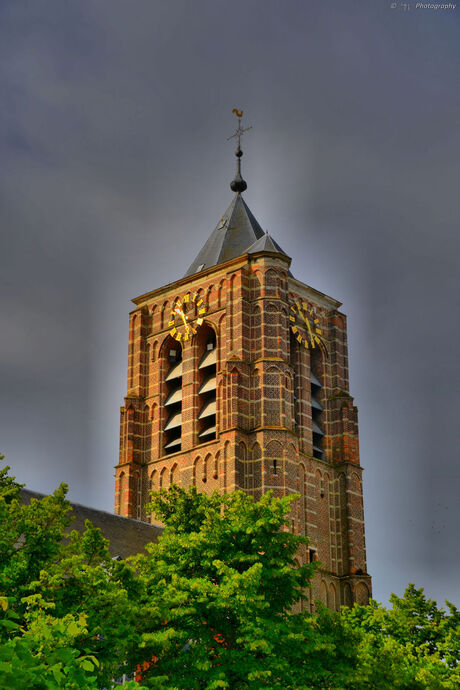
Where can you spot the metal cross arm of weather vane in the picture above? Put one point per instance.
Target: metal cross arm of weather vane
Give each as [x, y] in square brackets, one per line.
[241, 130]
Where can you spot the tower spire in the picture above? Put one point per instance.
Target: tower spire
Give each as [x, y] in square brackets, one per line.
[238, 185]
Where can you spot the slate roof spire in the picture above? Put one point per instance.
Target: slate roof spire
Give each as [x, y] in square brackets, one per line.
[237, 232]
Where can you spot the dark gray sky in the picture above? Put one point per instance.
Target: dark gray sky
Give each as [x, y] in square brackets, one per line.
[115, 168]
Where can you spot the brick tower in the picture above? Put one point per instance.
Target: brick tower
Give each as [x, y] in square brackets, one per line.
[238, 379]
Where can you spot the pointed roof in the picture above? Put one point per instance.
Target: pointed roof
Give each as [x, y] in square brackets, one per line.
[236, 231]
[265, 244]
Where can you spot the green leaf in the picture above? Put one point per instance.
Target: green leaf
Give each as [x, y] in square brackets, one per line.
[66, 654]
[87, 665]
[9, 625]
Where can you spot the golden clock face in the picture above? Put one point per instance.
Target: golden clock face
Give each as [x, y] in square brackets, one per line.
[187, 315]
[305, 325]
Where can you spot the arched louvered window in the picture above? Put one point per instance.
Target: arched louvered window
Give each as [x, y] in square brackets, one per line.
[137, 492]
[172, 396]
[121, 493]
[207, 363]
[296, 381]
[316, 406]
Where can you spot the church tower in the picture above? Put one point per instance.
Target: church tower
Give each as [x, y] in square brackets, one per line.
[238, 379]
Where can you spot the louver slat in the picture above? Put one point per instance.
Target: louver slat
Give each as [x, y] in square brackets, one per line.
[175, 443]
[175, 372]
[209, 358]
[208, 409]
[316, 405]
[174, 397]
[317, 430]
[207, 432]
[315, 381]
[208, 385]
[174, 421]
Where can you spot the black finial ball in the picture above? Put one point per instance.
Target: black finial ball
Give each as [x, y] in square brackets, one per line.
[238, 184]
[238, 152]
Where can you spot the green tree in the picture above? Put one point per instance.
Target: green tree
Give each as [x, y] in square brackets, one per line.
[412, 645]
[211, 605]
[221, 584]
[42, 652]
[65, 606]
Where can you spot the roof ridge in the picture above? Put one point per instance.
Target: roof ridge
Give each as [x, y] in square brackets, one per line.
[236, 230]
[266, 243]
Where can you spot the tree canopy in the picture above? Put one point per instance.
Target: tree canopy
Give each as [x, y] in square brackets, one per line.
[223, 580]
[211, 605]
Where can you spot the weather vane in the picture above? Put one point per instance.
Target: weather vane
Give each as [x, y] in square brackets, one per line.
[240, 131]
[238, 185]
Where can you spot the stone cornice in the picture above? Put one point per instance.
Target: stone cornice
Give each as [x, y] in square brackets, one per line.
[325, 299]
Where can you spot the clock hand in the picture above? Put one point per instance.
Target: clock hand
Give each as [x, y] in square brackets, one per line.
[184, 318]
[309, 330]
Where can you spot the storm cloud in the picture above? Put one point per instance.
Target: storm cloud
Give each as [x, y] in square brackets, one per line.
[115, 169]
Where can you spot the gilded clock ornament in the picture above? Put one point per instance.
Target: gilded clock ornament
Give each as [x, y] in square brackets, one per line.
[305, 325]
[183, 321]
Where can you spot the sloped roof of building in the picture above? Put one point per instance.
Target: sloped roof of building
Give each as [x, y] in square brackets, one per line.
[235, 233]
[127, 536]
[265, 244]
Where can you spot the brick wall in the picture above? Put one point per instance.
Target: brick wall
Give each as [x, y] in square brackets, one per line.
[263, 412]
